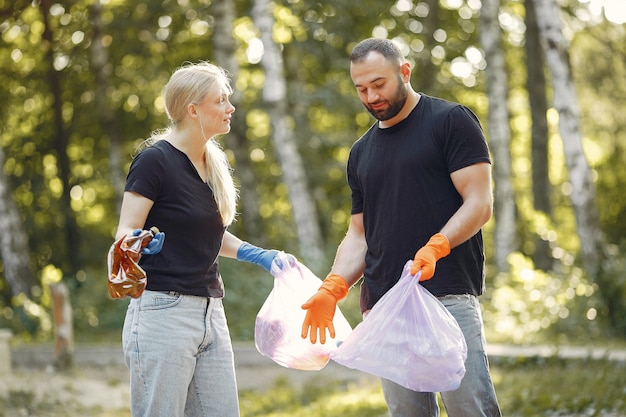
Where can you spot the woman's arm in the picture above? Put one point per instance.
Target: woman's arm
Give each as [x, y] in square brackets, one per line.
[133, 214]
[230, 245]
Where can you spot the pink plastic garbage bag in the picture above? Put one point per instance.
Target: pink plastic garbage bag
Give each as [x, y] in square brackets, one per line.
[278, 327]
[408, 337]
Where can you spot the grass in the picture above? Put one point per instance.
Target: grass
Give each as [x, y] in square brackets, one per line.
[312, 400]
[552, 387]
[526, 387]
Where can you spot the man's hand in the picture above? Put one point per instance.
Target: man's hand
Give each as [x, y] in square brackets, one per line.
[321, 308]
[426, 258]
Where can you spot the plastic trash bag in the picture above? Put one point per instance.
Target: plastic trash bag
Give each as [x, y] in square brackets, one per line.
[278, 327]
[126, 277]
[408, 337]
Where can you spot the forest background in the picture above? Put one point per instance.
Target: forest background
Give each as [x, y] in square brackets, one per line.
[80, 89]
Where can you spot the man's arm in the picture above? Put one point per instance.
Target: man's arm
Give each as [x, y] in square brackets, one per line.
[473, 183]
[350, 258]
[346, 271]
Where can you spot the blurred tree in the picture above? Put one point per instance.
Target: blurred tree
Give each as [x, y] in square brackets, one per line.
[225, 56]
[566, 103]
[111, 60]
[102, 68]
[505, 238]
[536, 86]
[61, 123]
[583, 193]
[13, 241]
[275, 100]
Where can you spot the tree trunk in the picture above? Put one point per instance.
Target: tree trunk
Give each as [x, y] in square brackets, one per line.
[275, 99]
[425, 68]
[595, 261]
[505, 239]
[536, 86]
[566, 103]
[13, 240]
[102, 67]
[60, 142]
[583, 194]
[224, 45]
[63, 326]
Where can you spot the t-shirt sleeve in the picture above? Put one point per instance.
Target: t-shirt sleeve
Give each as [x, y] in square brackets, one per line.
[353, 182]
[144, 175]
[466, 144]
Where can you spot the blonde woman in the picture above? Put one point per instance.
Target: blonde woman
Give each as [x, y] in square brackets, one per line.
[175, 338]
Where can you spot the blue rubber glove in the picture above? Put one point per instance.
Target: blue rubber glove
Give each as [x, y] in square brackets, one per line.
[256, 255]
[155, 245]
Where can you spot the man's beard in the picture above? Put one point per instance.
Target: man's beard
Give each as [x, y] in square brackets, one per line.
[395, 105]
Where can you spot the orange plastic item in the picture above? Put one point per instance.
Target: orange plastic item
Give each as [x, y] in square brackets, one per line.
[126, 277]
[426, 258]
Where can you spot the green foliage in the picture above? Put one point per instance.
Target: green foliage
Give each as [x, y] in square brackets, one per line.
[551, 386]
[145, 41]
[527, 305]
[247, 286]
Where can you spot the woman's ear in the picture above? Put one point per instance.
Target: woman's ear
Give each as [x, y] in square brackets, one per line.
[191, 110]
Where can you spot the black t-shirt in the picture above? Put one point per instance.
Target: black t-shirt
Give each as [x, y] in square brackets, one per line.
[400, 181]
[185, 209]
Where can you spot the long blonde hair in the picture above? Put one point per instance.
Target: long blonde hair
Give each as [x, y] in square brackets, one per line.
[190, 84]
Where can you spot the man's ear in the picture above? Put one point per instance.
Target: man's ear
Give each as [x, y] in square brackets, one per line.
[405, 70]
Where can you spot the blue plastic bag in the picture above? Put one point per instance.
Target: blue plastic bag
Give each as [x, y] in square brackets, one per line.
[408, 337]
[278, 326]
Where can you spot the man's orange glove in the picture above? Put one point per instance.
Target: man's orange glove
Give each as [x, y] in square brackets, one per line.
[321, 308]
[426, 258]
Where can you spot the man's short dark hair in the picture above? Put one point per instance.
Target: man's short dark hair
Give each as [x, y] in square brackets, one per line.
[385, 47]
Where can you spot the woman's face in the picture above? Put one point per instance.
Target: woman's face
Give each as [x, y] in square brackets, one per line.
[215, 112]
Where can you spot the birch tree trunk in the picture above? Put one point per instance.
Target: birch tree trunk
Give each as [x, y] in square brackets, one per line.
[499, 133]
[13, 240]
[566, 103]
[536, 86]
[224, 46]
[607, 274]
[275, 99]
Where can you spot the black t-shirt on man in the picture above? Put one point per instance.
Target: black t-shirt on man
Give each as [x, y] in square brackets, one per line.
[400, 181]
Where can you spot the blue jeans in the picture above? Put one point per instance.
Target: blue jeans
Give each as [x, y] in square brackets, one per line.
[476, 396]
[180, 357]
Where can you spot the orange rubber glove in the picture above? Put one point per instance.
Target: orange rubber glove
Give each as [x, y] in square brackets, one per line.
[321, 308]
[426, 258]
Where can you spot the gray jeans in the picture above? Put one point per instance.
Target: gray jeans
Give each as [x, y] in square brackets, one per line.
[476, 396]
